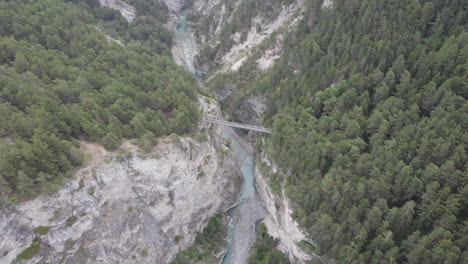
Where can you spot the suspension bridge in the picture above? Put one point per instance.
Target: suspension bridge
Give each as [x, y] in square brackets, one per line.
[237, 125]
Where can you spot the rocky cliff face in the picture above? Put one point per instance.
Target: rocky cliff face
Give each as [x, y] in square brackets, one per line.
[327, 3]
[237, 43]
[279, 222]
[127, 207]
[175, 6]
[125, 9]
[246, 38]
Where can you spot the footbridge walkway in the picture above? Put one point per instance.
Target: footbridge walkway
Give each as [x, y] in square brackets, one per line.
[237, 125]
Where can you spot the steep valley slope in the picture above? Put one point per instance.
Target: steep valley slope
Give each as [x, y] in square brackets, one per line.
[251, 45]
[125, 203]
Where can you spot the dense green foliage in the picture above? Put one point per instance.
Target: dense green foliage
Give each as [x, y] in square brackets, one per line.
[370, 118]
[265, 251]
[61, 80]
[207, 244]
[43, 230]
[30, 251]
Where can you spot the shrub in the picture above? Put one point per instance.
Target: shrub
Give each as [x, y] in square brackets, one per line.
[43, 230]
[31, 251]
[71, 220]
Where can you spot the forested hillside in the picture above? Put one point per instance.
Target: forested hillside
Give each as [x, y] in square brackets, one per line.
[63, 80]
[370, 116]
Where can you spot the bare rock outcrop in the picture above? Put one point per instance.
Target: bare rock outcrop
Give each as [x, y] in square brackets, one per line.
[327, 3]
[125, 9]
[175, 6]
[279, 222]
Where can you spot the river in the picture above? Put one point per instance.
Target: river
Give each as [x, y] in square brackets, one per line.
[244, 216]
[184, 42]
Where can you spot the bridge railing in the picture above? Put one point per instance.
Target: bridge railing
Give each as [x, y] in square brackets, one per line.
[237, 125]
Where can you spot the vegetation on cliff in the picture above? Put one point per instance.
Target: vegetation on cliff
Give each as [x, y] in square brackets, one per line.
[208, 244]
[240, 18]
[265, 251]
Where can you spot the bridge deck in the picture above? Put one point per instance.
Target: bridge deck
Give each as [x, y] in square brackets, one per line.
[237, 125]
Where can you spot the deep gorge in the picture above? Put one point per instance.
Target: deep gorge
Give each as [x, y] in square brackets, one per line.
[105, 156]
